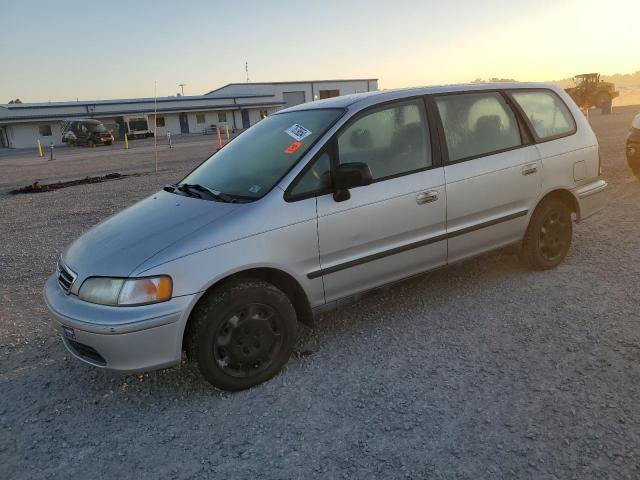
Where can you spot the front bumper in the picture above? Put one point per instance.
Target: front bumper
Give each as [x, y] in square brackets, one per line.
[125, 339]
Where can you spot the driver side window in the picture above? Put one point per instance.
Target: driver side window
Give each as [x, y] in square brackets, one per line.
[391, 141]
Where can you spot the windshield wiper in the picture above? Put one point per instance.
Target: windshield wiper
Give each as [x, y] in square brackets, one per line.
[215, 194]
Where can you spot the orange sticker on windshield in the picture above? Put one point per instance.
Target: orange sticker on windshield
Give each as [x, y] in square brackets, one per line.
[292, 148]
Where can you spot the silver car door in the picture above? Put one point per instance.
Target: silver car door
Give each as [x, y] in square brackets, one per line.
[492, 172]
[394, 227]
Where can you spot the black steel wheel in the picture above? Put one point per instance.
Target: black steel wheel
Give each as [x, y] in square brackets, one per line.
[548, 236]
[248, 341]
[241, 334]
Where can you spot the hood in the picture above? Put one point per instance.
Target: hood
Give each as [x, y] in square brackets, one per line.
[118, 245]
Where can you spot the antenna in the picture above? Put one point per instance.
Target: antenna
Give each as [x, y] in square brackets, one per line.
[182, 85]
[246, 69]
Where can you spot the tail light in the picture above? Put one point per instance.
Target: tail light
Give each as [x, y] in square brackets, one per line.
[600, 172]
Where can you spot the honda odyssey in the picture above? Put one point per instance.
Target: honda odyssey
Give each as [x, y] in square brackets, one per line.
[314, 205]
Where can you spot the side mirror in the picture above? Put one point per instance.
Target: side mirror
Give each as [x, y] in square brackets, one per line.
[350, 175]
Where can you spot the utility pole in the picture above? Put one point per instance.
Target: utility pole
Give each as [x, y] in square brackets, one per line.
[155, 121]
[182, 85]
[246, 69]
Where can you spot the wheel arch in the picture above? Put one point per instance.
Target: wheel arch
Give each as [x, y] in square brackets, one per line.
[278, 278]
[566, 197]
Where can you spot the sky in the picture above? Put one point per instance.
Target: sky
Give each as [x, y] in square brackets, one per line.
[51, 51]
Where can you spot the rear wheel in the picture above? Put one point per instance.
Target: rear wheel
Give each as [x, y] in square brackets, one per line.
[602, 99]
[242, 334]
[548, 236]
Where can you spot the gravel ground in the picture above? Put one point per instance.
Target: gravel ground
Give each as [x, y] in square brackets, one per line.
[483, 370]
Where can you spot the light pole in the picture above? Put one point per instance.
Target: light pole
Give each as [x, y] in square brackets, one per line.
[182, 85]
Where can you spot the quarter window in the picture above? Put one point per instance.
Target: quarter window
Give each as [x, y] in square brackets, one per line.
[316, 179]
[477, 124]
[548, 115]
[392, 141]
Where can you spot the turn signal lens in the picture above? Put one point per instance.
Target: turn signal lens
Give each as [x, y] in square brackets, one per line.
[145, 290]
[600, 171]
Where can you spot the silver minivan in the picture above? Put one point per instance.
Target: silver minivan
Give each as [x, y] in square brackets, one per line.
[315, 205]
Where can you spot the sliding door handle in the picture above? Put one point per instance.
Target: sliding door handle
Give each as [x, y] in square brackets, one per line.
[529, 169]
[426, 197]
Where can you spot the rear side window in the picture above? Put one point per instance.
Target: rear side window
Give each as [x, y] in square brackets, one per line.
[392, 141]
[548, 115]
[477, 124]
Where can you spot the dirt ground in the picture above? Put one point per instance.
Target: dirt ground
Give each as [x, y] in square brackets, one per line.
[482, 370]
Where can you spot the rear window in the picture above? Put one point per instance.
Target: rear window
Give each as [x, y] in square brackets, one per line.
[548, 115]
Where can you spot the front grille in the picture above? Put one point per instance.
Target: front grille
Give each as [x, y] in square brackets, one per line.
[86, 351]
[66, 276]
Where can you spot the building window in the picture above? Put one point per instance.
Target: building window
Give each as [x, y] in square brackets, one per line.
[159, 121]
[329, 93]
[200, 118]
[222, 117]
[45, 130]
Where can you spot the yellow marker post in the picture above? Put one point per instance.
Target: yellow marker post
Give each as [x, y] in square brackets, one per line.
[227, 129]
[126, 142]
[219, 139]
[39, 148]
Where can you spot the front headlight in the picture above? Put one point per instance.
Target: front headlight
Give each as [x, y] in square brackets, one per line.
[126, 291]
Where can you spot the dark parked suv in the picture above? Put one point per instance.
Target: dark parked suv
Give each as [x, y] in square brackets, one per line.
[86, 132]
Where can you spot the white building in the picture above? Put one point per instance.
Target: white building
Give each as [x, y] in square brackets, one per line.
[294, 93]
[235, 106]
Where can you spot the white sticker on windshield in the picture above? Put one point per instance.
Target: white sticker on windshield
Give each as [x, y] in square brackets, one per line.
[297, 131]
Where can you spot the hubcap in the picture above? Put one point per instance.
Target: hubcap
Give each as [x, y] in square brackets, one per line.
[248, 340]
[554, 236]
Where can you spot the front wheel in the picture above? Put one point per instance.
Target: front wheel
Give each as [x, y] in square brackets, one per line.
[548, 236]
[242, 334]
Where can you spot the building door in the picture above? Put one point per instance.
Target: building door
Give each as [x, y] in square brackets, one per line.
[245, 118]
[184, 123]
[293, 98]
[4, 141]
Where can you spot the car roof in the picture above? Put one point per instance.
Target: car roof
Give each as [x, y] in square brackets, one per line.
[358, 100]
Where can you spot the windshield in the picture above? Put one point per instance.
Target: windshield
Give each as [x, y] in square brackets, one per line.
[96, 127]
[253, 163]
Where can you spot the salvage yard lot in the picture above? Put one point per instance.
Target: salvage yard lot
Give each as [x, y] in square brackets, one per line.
[483, 370]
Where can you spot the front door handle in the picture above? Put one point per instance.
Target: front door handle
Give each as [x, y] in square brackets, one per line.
[426, 197]
[529, 169]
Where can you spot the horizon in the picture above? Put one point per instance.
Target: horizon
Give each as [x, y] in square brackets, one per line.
[172, 43]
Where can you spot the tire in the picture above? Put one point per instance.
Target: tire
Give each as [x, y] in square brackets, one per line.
[602, 99]
[606, 108]
[248, 321]
[548, 236]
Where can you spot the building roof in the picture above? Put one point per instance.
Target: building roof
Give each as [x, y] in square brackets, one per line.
[294, 82]
[125, 101]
